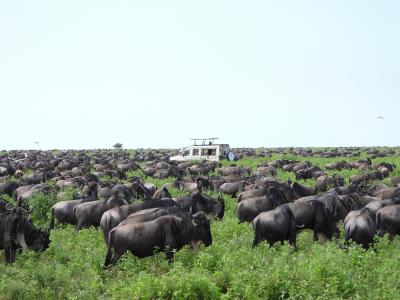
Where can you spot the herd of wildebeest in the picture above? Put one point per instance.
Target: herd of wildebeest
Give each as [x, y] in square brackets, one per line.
[140, 217]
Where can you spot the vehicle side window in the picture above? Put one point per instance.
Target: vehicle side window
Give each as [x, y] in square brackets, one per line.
[195, 152]
[208, 152]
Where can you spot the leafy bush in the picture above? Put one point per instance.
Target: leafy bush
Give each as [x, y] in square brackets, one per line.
[41, 204]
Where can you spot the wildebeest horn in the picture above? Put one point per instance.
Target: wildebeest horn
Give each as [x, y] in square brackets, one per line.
[300, 226]
[9, 206]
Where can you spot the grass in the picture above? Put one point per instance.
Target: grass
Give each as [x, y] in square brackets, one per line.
[72, 268]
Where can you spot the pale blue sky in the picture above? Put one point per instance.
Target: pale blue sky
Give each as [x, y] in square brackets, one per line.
[86, 74]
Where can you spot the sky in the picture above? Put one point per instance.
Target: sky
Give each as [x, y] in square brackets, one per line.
[153, 74]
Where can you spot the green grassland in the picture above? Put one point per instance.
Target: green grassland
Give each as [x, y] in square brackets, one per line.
[72, 268]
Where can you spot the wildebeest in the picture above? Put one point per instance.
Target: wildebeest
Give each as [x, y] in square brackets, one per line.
[248, 209]
[8, 188]
[63, 211]
[388, 193]
[275, 225]
[323, 182]
[162, 193]
[140, 190]
[232, 188]
[144, 215]
[111, 218]
[311, 172]
[376, 205]
[166, 234]
[198, 201]
[359, 178]
[302, 190]
[90, 213]
[17, 231]
[388, 220]
[315, 216]
[359, 226]
[259, 192]
[25, 192]
[332, 202]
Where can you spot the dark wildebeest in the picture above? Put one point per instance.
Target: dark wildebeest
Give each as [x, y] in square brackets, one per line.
[8, 188]
[259, 192]
[388, 193]
[111, 218]
[150, 214]
[140, 190]
[166, 234]
[17, 231]
[232, 188]
[315, 216]
[63, 211]
[275, 225]
[248, 209]
[388, 220]
[302, 190]
[359, 178]
[332, 202]
[144, 215]
[325, 181]
[197, 201]
[376, 205]
[359, 226]
[162, 193]
[90, 213]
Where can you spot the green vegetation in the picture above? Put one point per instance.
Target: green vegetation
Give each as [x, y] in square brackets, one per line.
[72, 268]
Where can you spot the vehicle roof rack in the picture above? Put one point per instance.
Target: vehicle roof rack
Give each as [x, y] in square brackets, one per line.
[204, 141]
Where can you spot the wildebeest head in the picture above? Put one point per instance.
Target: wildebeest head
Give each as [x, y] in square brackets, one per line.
[203, 183]
[210, 206]
[27, 235]
[38, 240]
[202, 228]
[337, 180]
[3, 205]
[165, 193]
[140, 191]
[115, 201]
[275, 196]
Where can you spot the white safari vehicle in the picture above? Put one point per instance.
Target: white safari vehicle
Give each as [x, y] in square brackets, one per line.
[204, 149]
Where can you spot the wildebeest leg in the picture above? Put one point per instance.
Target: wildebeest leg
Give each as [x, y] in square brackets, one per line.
[10, 254]
[116, 256]
[315, 236]
[293, 244]
[255, 242]
[170, 256]
[108, 257]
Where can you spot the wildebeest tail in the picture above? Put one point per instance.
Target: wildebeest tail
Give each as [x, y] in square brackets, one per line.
[105, 226]
[109, 249]
[378, 221]
[74, 213]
